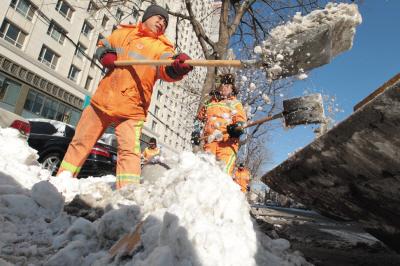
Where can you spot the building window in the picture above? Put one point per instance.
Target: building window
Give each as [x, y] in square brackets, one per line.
[168, 118]
[12, 34]
[159, 94]
[86, 29]
[104, 21]
[38, 105]
[88, 82]
[56, 32]
[64, 9]
[80, 50]
[24, 7]
[119, 14]
[49, 108]
[73, 73]
[114, 27]
[156, 110]
[48, 57]
[92, 7]
[154, 126]
[9, 92]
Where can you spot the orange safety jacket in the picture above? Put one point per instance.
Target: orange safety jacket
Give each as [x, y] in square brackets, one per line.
[126, 91]
[242, 178]
[217, 114]
[149, 153]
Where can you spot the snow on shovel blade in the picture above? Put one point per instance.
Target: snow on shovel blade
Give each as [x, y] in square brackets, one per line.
[310, 41]
[304, 110]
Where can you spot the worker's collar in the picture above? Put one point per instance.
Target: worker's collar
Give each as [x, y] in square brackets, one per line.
[219, 97]
[146, 32]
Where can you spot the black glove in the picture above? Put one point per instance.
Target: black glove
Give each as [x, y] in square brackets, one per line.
[235, 130]
[195, 138]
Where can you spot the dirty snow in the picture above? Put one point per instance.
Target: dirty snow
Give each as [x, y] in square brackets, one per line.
[193, 215]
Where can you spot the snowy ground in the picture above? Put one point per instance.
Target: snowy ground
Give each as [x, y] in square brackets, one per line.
[193, 215]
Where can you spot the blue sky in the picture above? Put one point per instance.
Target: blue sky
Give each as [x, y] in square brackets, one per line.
[353, 75]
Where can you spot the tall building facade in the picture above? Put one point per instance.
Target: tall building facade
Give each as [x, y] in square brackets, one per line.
[174, 105]
[47, 67]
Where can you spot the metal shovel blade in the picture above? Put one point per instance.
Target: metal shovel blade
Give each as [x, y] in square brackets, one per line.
[303, 110]
[309, 49]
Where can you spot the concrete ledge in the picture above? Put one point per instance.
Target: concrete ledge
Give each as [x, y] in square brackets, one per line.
[353, 171]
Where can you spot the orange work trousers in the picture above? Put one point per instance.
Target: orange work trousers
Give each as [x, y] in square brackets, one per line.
[225, 151]
[90, 127]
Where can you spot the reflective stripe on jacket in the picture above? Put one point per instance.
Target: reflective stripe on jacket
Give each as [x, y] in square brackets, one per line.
[217, 114]
[126, 91]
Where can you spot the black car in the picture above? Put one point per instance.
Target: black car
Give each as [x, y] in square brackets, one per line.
[51, 139]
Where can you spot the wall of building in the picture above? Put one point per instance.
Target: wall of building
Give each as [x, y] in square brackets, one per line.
[177, 104]
[48, 90]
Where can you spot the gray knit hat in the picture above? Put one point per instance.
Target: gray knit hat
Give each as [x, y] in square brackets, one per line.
[154, 10]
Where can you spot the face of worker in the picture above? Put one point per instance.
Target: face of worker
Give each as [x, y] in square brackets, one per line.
[225, 90]
[156, 24]
[153, 145]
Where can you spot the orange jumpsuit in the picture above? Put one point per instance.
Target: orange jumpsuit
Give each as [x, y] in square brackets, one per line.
[217, 114]
[149, 153]
[122, 99]
[242, 178]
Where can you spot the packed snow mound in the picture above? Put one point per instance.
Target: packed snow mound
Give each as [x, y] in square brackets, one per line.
[310, 41]
[193, 215]
[18, 161]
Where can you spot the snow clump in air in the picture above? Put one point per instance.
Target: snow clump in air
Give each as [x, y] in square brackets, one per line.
[194, 214]
[302, 43]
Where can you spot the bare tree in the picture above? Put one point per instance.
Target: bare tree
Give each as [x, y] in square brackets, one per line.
[242, 25]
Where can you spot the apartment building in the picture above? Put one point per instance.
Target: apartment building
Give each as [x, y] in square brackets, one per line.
[47, 67]
[46, 54]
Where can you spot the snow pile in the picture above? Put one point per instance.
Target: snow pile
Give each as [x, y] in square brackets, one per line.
[310, 41]
[18, 162]
[193, 215]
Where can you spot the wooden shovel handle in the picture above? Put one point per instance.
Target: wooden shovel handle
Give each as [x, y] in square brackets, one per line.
[192, 62]
[257, 122]
[263, 120]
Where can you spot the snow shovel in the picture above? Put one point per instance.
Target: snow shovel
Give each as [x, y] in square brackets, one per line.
[311, 48]
[296, 111]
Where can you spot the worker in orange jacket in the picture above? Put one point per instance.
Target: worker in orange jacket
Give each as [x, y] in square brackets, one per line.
[151, 151]
[223, 116]
[123, 96]
[242, 177]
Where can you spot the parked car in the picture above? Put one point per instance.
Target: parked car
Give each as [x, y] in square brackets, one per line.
[51, 139]
[9, 119]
